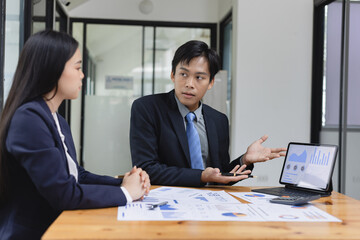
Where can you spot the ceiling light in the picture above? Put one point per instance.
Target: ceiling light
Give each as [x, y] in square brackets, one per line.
[146, 6]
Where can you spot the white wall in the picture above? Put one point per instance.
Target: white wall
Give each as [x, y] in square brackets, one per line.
[224, 7]
[272, 77]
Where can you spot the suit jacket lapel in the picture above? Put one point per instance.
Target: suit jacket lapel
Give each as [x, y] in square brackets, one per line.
[53, 126]
[212, 138]
[178, 125]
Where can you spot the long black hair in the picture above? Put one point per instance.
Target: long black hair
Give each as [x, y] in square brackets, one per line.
[41, 63]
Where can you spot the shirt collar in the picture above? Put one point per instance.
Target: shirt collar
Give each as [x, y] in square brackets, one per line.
[184, 110]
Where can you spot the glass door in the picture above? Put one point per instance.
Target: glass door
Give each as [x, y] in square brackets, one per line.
[122, 63]
[331, 80]
[12, 43]
[168, 39]
[114, 71]
[340, 111]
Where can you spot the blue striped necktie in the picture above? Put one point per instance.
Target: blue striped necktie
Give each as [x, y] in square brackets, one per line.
[194, 142]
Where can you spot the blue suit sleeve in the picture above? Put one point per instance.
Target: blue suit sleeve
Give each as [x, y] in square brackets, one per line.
[86, 177]
[31, 141]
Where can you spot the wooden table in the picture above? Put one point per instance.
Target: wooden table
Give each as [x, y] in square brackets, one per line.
[102, 224]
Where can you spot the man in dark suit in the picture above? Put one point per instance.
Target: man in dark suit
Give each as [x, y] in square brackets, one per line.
[162, 136]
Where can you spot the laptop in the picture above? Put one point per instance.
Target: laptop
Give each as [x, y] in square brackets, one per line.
[307, 171]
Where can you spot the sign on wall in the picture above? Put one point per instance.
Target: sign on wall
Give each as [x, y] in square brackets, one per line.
[119, 82]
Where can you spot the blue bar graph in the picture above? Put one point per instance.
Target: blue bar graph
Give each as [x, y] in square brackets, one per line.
[319, 158]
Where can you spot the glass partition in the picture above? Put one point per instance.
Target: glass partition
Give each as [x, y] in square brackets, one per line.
[75, 110]
[331, 80]
[12, 42]
[39, 12]
[114, 80]
[340, 111]
[148, 66]
[352, 111]
[122, 63]
[168, 39]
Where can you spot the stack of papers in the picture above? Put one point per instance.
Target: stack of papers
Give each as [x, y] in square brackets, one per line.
[205, 205]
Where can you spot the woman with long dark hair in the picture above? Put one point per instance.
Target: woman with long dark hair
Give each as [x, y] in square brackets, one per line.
[39, 174]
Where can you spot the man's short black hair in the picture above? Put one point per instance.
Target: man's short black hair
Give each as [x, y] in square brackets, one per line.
[192, 49]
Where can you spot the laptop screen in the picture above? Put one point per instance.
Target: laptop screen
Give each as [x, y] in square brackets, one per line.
[309, 166]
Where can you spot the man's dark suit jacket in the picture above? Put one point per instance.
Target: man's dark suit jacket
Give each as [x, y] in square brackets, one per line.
[159, 144]
[40, 185]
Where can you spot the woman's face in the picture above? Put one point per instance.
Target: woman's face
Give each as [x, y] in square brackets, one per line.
[70, 81]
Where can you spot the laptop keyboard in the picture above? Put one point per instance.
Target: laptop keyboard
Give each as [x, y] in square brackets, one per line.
[281, 191]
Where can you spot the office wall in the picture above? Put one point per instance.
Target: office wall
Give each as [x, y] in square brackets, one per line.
[224, 7]
[163, 10]
[272, 77]
[126, 10]
[272, 64]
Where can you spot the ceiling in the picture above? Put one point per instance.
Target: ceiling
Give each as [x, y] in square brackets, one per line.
[72, 3]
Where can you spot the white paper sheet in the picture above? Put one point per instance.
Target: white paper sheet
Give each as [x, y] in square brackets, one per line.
[189, 196]
[253, 197]
[192, 212]
[287, 213]
[204, 205]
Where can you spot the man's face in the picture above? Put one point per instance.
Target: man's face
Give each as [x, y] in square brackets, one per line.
[192, 81]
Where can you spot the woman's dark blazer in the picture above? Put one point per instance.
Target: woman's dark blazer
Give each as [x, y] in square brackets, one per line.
[40, 186]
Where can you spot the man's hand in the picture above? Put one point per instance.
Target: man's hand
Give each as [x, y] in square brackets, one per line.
[257, 153]
[214, 175]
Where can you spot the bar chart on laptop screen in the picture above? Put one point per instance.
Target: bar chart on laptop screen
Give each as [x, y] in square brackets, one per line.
[308, 166]
[320, 158]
